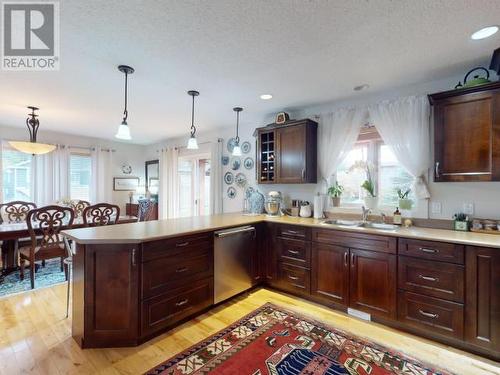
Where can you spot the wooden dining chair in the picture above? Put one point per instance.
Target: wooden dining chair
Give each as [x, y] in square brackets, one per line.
[48, 221]
[101, 214]
[146, 209]
[15, 211]
[79, 206]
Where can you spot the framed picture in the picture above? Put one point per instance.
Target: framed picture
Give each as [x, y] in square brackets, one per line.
[125, 183]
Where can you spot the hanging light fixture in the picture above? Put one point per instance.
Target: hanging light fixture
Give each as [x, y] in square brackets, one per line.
[32, 147]
[124, 131]
[237, 148]
[192, 143]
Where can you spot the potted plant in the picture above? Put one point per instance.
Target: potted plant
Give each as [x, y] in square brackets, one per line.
[461, 222]
[405, 203]
[371, 199]
[335, 192]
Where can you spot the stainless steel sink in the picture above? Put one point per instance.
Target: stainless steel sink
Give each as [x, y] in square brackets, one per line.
[345, 223]
[381, 226]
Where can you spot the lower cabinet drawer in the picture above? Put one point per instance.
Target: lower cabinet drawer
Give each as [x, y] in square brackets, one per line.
[295, 252]
[435, 279]
[165, 310]
[293, 278]
[164, 274]
[431, 314]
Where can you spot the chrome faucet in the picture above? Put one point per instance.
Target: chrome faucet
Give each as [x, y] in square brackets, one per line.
[365, 213]
[384, 217]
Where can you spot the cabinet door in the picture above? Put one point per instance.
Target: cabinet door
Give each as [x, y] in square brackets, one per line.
[482, 302]
[467, 137]
[111, 295]
[330, 273]
[291, 154]
[373, 283]
[271, 258]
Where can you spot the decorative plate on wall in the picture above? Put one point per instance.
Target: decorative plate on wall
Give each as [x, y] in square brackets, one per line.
[230, 145]
[231, 192]
[126, 168]
[225, 160]
[241, 180]
[248, 163]
[235, 163]
[246, 147]
[228, 178]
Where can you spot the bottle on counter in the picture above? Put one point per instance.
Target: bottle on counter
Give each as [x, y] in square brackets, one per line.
[397, 219]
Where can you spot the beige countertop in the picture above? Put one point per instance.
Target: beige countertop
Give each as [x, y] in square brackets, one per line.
[155, 230]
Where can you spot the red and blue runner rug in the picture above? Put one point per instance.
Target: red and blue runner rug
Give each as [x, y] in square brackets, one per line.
[272, 340]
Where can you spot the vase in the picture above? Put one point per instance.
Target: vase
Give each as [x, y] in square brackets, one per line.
[335, 201]
[371, 202]
[405, 204]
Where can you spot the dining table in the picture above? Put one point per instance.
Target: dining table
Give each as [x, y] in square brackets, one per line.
[12, 232]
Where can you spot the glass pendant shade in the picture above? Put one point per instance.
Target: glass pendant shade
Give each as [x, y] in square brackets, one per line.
[192, 143]
[33, 148]
[123, 132]
[237, 150]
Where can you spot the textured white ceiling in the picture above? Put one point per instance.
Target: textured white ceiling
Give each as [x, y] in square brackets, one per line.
[304, 52]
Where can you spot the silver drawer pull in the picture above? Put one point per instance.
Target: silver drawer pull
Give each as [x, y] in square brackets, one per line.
[182, 303]
[427, 250]
[295, 252]
[291, 231]
[428, 278]
[293, 277]
[182, 244]
[182, 269]
[428, 314]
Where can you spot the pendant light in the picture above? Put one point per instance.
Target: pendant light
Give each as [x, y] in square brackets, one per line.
[124, 131]
[237, 148]
[192, 143]
[33, 147]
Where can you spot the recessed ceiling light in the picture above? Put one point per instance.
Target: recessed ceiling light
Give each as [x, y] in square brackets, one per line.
[485, 32]
[266, 96]
[361, 87]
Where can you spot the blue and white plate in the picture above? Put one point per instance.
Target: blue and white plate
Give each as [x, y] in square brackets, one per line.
[228, 178]
[230, 144]
[235, 163]
[225, 160]
[231, 192]
[248, 163]
[246, 147]
[241, 180]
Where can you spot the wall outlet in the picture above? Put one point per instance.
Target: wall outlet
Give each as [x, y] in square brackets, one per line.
[436, 207]
[468, 208]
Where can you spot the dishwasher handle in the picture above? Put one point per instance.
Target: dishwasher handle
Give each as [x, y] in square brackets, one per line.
[231, 232]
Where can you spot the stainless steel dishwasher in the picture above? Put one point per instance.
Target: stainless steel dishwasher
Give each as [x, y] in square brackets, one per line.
[233, 251]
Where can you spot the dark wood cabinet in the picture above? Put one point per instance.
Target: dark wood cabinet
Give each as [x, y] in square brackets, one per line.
[467, 134]
[482, 303]
[112, 277]
[373, 283]
[330, 275]
[287, 153]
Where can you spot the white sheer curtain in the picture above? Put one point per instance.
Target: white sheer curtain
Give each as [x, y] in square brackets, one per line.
[51, 176]
[1, 171]
[403, 124]
[216, 176]
[337, 133]
[102, 175]
[168, 192]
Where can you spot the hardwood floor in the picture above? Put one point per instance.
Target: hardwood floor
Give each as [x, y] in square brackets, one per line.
[35, 337]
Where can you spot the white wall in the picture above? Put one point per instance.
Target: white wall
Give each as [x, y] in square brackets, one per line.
[124, 152]
[484, 195]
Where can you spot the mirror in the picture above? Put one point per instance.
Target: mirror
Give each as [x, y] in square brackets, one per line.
[153, 177]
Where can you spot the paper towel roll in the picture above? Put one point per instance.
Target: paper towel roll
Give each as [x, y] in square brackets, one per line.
[318, 206]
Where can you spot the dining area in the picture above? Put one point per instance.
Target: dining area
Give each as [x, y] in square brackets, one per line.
[34, 253]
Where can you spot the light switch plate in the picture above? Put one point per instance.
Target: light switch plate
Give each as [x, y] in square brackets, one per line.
[468, 208]
[436, 207]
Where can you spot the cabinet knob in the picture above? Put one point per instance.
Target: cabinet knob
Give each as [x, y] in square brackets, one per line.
[293, 277]
[182, 244]
[294, 252]
[182, 303]
[429, 251]
[346, 259]
[437, 169]
[428, 278]
[428, 314]
[133, 258]
[182, 269]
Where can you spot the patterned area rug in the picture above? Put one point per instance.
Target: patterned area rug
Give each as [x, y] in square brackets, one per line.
[272, 340]
[49, 275]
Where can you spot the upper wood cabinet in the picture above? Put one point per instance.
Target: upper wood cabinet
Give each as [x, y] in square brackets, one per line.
[287, 153]
[467, 134]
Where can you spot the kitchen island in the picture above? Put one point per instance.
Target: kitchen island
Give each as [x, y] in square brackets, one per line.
[134, 281]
